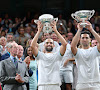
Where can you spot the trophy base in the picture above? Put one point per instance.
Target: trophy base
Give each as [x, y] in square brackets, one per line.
[83, 24]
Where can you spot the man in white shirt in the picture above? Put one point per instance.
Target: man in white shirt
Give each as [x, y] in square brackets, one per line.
[48, 64]
[66, 69]
[88, 66]
[95, 43]
[46, 36]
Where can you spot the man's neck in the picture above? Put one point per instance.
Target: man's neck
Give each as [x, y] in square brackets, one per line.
[13, 55]
[18, 57]
[85, 47]
[48, 52]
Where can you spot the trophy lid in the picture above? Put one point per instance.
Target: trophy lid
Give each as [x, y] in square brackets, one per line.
[85, 11]
[46, 16]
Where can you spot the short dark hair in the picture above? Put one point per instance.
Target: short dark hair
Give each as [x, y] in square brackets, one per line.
[9, 34]
[86, 32]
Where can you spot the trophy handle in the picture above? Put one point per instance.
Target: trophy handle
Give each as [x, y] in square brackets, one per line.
[36, 21]
[74, 16]
[56, 19]
[92, 13]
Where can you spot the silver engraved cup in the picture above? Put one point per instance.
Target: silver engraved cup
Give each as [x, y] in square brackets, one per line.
[82, 16]
[46, 19]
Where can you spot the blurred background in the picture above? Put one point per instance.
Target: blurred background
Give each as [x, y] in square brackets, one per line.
[66, 7]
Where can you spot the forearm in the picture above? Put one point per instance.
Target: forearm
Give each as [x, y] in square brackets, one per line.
[8, 80]
[26, 77]
[97, 37]
[62, 40]
[35, 39]
[76, 39]
[71, 59]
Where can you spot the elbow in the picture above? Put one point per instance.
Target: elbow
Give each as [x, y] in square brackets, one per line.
[32, 46]
[65, 44]
[72, 46]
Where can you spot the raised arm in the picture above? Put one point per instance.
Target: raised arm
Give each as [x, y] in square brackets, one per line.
[76, 39]
[35, 39]
[97, 37]
[62, 40]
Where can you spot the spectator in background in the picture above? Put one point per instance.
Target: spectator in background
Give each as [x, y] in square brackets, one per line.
[28, 43]
[12, 75]
[72, 27]
[32, 34]
[3, 42]
[0, 51]
[92, 20]
[33, 24]
[69, 26]
[97, 29]
[28, 30]
[75, 76]
[61, 23]
[10, 37]
[66, 67]
[6, 20]
[97, 18]
[3, 33]
[20, 51]
[1, 28]
[16, 25]
[0, 60]
[54, 37]
[7, 54]
[33, 66]
[94, 42]
[21, 40]
[27, 19]
[70, 37]
[41, 45]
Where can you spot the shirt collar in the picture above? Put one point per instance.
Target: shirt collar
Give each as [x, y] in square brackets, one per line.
[12, 58]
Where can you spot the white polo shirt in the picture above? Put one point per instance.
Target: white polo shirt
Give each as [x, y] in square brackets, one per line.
[88, 65]
[48, 68]
[68, 55]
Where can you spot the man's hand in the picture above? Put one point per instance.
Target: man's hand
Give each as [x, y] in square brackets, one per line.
[18, 78]
[89, 26]
[27, 61]
[40, 26]
[79, 27]
[66, 62]
[53, 25]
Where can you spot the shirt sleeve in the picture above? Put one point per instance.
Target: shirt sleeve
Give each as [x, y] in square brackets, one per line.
[59, 56]
[39, 55]
[96, 51]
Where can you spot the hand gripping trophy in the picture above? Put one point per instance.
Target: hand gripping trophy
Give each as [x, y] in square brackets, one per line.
[82, 16]
[46, 19]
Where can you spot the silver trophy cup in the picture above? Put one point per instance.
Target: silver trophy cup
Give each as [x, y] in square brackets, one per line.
[46, 19]
[82, 16]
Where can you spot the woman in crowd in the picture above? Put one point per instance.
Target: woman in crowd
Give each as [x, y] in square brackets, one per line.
[33, 66]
